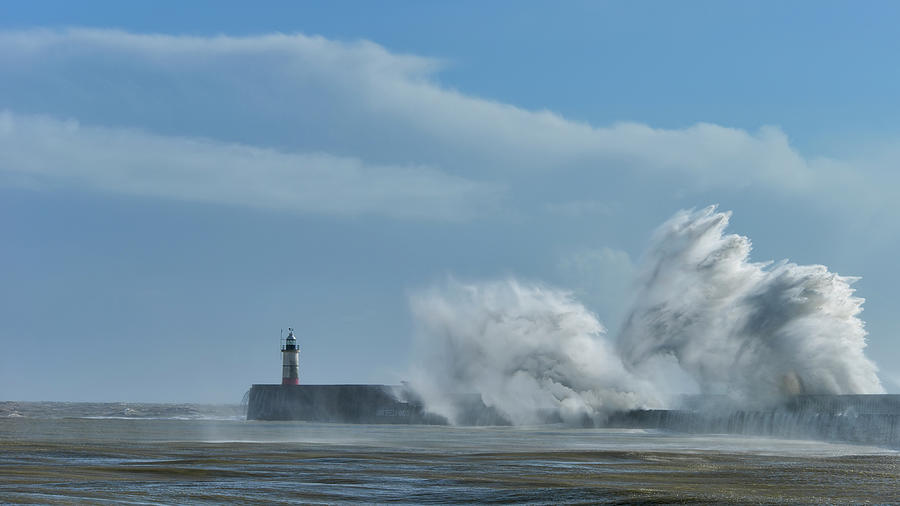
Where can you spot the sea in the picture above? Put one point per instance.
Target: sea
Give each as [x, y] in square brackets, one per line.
[124, 453]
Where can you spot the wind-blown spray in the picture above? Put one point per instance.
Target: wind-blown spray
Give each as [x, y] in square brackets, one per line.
[756, 332]
[532, 352]
[753, 331]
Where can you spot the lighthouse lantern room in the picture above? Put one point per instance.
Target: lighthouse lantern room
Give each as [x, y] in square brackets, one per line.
[290, 360]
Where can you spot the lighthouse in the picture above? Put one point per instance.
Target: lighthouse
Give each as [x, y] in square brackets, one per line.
[290, 360]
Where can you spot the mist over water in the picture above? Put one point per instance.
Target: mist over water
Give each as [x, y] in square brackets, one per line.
[754, 332]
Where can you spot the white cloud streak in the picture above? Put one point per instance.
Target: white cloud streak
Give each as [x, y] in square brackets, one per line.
[47, 151]
[382, 117]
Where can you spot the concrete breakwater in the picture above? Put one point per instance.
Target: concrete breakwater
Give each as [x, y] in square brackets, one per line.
[868, 419]
[336, 403]
[372, 404]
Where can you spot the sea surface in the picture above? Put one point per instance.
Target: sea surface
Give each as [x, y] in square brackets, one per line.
[63, 453]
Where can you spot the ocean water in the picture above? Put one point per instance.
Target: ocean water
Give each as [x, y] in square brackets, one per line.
[63, 453]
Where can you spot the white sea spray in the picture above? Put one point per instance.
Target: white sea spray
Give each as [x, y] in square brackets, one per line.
[752, 331]
[531, 351]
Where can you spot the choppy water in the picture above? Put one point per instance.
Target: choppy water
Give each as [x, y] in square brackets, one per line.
[144, 454]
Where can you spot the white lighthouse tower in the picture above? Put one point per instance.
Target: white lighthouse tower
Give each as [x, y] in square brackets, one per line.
[290, 360]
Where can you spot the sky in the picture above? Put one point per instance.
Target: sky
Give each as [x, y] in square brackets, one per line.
[179, 182]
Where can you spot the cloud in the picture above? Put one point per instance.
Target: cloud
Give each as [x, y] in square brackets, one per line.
[363, 104]
[48, 152]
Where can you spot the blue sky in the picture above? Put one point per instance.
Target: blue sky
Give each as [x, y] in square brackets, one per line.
[178, 183]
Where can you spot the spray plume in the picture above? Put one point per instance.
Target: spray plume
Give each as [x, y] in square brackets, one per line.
[753, 331]
[532, 352]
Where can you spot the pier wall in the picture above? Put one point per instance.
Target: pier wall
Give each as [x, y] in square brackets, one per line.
[867, 419]
[337, 403]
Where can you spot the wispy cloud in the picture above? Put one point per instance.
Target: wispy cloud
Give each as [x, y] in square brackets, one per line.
[363, 122]
[48, 152]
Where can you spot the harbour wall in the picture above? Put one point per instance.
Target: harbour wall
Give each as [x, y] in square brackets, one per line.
[866, 419]
[371, 404]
